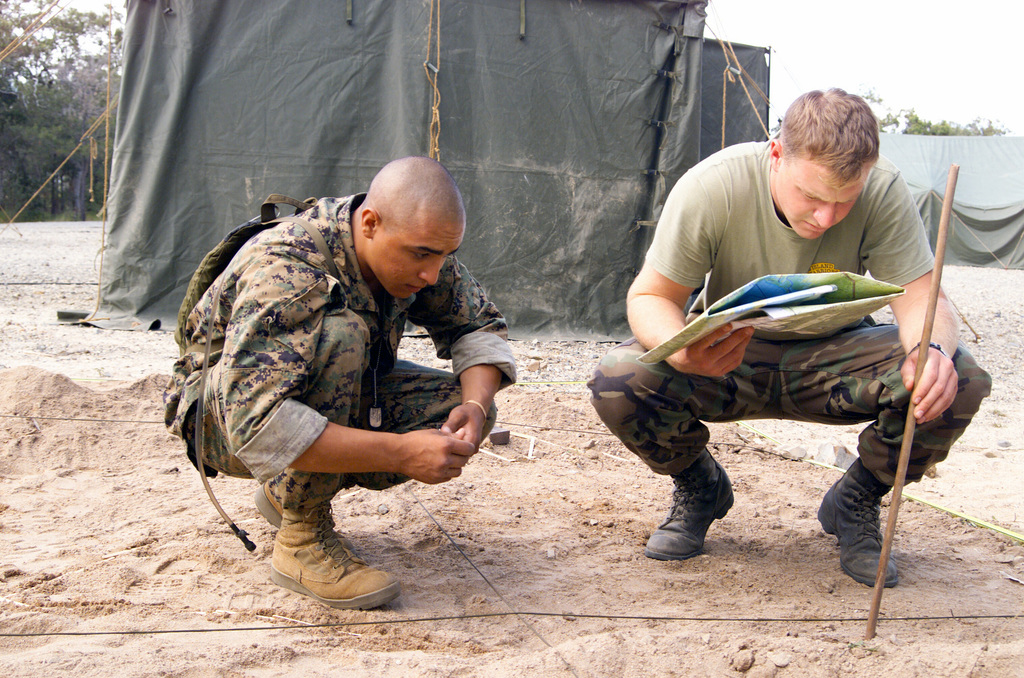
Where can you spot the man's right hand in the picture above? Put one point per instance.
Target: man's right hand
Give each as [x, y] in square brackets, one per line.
[716, 354]
[656, 307]
[432, 456]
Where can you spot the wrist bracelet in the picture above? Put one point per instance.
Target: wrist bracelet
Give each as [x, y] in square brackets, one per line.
[482, 408]
[932, 344]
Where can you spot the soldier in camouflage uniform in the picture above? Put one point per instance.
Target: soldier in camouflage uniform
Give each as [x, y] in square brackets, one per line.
[818, 198]
[306, 395]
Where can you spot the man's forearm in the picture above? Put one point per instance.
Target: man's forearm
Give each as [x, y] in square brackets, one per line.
[480, 383]
[945, 327]
[343, 449]
[653, 319]
[911, 309]
[654, 307]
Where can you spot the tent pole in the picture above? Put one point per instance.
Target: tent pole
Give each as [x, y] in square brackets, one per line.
[908, 431]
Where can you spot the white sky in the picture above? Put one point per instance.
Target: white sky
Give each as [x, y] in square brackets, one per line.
[948, 59]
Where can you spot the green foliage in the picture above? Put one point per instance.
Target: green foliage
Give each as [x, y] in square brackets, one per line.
[53, 87]
[907, 121]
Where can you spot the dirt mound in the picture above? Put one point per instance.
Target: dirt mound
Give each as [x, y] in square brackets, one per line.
[64, 426]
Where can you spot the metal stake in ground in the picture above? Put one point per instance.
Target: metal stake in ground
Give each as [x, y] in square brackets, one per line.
[908, 431]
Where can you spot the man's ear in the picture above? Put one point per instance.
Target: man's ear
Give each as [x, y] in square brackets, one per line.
[369, 222]
[775, 153]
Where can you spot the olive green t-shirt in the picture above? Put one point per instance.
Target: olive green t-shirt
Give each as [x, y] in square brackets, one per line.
[719, 228]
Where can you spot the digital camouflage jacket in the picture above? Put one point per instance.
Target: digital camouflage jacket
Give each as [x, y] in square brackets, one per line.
[284, 321]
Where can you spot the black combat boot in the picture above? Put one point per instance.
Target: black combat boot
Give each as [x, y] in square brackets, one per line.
[703, 493]
[850, 511]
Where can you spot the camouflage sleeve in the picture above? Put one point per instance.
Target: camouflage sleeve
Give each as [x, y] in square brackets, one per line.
[270, 318]
[271, 340]
[465, 326]
[288, 433]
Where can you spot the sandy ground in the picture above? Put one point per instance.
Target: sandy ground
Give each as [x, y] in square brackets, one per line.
[113, 562]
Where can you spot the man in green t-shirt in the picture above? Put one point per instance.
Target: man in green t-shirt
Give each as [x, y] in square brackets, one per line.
[818, 198]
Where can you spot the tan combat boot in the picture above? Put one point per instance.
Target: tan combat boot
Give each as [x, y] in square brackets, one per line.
[310, 560]
[270, 508]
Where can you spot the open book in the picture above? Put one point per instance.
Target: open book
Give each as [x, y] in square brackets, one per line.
[812, 304]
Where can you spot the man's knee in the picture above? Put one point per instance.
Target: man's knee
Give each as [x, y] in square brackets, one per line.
[216, 457]
[614, 384]
[636, 400]
[373, 481]
[974, 384]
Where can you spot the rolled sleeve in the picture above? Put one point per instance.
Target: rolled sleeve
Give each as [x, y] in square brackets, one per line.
[484, 348]
[286, 435]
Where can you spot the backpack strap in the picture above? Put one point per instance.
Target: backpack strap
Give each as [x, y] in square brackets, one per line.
[321, 246]
[318, 239]
[268, 215]
[268, 210]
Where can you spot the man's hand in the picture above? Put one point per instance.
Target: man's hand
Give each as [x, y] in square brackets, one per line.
[716, 354]
[433, 457]
[428, 455]
[655, 307]
[938, 383]
[466, 422]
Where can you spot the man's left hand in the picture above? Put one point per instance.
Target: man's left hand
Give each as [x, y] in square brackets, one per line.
[938, 383]
[466, 422]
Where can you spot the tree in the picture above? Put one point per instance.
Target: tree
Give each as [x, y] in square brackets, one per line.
[907, 121]
[53, 86]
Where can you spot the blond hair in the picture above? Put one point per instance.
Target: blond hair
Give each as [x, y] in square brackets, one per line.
[833, 128]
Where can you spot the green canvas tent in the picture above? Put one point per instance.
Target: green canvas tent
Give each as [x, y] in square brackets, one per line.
[987, 223]
[563, 121]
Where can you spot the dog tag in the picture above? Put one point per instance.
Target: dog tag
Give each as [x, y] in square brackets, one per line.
[375, 417]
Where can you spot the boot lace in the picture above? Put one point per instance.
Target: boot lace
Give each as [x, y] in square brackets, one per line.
[329, 543]
[865, 509]
[687, 495]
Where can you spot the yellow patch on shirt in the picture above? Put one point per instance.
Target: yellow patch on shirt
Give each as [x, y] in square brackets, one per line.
[823, 268]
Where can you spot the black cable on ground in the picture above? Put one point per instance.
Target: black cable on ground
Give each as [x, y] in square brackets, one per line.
[528, 613]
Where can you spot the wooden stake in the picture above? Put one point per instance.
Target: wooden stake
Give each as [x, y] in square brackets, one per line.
[908, 431]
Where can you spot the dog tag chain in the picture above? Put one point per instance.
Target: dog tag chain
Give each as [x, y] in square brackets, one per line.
[376, 417]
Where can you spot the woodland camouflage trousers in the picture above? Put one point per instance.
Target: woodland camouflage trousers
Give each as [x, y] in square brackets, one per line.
[854, 376]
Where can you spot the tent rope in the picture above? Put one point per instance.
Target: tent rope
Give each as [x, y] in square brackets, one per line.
[432, 70]
[85, 137]
[968, 229]
[106, 167]
[728, 51]
[93, 154]
[37, 23]
[726, 77]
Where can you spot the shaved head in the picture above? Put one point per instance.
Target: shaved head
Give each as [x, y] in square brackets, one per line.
[410, 222]
[415, 188]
